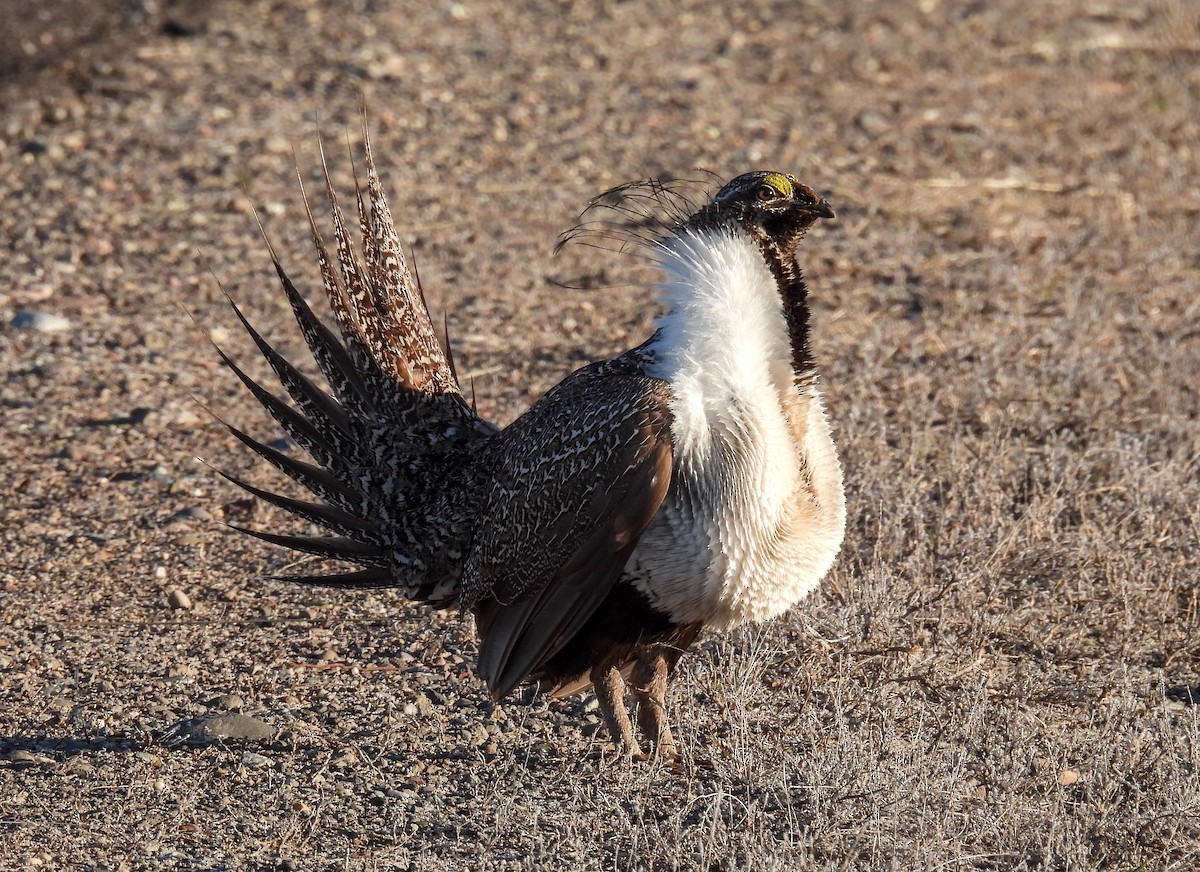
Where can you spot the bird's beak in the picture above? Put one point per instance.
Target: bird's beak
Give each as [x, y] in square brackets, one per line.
[821, 208]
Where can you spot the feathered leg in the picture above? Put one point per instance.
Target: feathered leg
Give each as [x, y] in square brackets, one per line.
[649, 685]
[610, 693]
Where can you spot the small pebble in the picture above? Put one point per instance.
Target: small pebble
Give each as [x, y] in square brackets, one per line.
[43, 322]
[178, 599]
[80, 767]
[872, 122]
[229, 702]
[1068, 777]
[191, 513]
[156, 340]
[21, 757]
[142, 415]
[255, 761]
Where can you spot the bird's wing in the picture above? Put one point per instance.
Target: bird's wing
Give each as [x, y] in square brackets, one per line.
[588, 468]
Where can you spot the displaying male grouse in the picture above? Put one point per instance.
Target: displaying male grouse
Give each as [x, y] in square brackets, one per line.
[690, 482]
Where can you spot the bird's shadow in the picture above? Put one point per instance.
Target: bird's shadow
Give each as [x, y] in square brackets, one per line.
[22, 750]
[25, 750]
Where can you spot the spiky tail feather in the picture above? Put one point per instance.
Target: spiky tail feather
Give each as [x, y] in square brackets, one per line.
[395, 410]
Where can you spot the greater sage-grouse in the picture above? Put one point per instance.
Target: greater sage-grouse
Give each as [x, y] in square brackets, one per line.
[690, 482]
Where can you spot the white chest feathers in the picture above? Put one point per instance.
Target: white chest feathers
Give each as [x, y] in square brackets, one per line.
[756, 513]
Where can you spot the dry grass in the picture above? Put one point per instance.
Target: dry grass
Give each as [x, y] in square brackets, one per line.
[997, 673]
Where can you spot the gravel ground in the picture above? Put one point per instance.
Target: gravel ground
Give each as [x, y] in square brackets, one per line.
[1002, 671]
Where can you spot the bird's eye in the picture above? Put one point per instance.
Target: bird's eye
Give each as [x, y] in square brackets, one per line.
[766, 192]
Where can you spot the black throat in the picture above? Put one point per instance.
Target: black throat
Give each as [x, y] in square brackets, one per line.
[794, 294]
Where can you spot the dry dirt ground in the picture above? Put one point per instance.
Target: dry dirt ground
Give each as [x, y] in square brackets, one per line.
[1003, 670]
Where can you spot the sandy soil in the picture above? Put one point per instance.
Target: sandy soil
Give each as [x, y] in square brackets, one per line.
[1003, 670]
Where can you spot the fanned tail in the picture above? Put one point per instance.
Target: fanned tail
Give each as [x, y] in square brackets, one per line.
[392, 417]
[380, 308]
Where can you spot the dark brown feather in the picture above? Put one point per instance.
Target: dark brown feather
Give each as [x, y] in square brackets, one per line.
[314, 402]
[592, 468]
[332, 547]
[315, 479]
[329, 517]
[324, 446]
[357, 580]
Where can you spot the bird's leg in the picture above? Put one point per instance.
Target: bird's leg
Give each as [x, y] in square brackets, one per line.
[610, 694]
[649, 682]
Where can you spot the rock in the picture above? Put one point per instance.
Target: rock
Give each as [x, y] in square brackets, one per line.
[229, 702]
[191, 513]
[156, 340]
[872, 122]
[142, 415]
[255, 761]
[177, 599]
[43, 322]
[79, 767]
[1068, 777]
[217, 728]
[22, 757]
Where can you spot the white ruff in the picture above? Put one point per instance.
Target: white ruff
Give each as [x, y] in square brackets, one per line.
[755, 514]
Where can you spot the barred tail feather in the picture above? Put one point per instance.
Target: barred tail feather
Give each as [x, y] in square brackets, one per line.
[409, 337]
[359, 362]
[393, 398]
[389, 349]
[337, 366]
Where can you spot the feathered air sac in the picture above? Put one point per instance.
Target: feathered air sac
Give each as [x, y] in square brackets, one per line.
[690, 482]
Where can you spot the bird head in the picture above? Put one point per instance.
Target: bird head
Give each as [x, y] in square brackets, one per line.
[774, 208]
